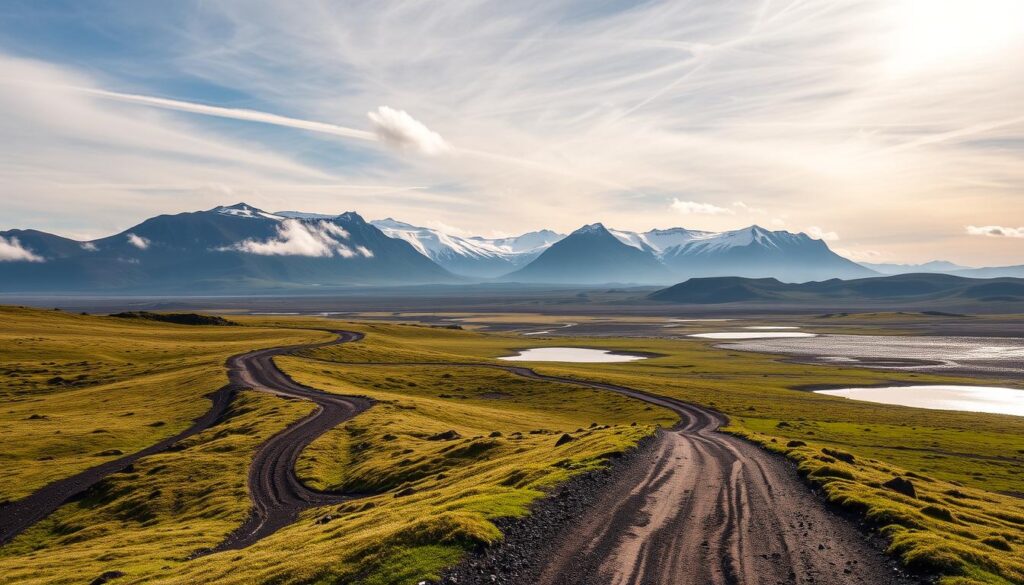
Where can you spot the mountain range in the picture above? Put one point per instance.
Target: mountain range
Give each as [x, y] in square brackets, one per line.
[474, 257]
[242, 248]
[237, 247]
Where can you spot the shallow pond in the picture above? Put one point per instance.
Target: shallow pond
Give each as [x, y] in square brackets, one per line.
[989, 355]
[941, 397]
[571, 354]
[751, 334]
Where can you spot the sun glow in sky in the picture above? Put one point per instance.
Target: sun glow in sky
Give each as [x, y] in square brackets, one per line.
[892, 128]
[954, 33]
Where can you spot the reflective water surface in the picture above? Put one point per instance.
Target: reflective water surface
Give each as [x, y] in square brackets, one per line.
[570, 354]
[1003, 355]
[942, 397]
[751, 334]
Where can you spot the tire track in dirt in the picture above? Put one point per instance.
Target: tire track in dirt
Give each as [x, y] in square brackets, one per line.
[703, 508]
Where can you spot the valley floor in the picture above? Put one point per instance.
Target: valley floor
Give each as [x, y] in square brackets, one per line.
[455, 441]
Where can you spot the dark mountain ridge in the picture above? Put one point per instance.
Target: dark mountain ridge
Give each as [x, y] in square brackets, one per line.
[236, 247]
[900, 288]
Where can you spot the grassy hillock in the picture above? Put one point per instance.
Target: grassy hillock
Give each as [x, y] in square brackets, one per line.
[79, 390]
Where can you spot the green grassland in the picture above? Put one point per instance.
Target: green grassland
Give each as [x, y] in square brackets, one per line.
[949, 452]
[77, 390]
[146, 521]
[431, 494]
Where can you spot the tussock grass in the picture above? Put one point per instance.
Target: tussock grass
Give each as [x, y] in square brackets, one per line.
[79, 390]
[446, 450]
[961, 459]
[147, 521]
[972, 537]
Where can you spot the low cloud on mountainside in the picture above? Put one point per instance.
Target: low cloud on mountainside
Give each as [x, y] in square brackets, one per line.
[138, 241]
[11, 250]
[298, 238]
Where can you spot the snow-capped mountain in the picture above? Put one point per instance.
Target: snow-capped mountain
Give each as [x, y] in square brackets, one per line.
[657, 241]
[237, 247]
[677, 254]
[475, 256]
[594, 254]
[755, 252]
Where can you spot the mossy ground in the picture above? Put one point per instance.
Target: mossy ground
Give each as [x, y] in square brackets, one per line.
[434, 496]
[76, 390]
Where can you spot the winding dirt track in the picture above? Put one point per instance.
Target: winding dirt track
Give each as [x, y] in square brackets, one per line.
[706, 508]
[277, 494]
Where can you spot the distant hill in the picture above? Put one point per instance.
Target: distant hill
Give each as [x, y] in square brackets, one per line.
[898, 289]
[944, 267]
[592, 255]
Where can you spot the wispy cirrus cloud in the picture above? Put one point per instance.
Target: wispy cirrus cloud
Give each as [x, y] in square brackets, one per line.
[602, 108]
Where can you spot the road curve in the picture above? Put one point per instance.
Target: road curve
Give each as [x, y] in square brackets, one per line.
[277, 494]
[250, 370]
[704, 508]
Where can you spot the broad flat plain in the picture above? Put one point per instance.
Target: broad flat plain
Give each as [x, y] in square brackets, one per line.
[119, 379]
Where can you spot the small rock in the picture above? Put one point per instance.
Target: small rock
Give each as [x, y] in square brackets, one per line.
[565, 438]
[794, 444]
[448, 435]
[106, 577]
[901, 486]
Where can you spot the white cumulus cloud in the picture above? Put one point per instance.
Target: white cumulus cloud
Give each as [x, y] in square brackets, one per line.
[996, 231]
[398, 129]
[138, 241]
[89, 246]
[298, 238]
[11, 250]
[820, 234]
[694, 207]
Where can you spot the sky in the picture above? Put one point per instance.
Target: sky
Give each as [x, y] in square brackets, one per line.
[892, 129]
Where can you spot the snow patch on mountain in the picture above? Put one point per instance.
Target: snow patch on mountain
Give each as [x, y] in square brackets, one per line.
[244, 210]
[528, 243]
[432, 243]
[708, 242]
